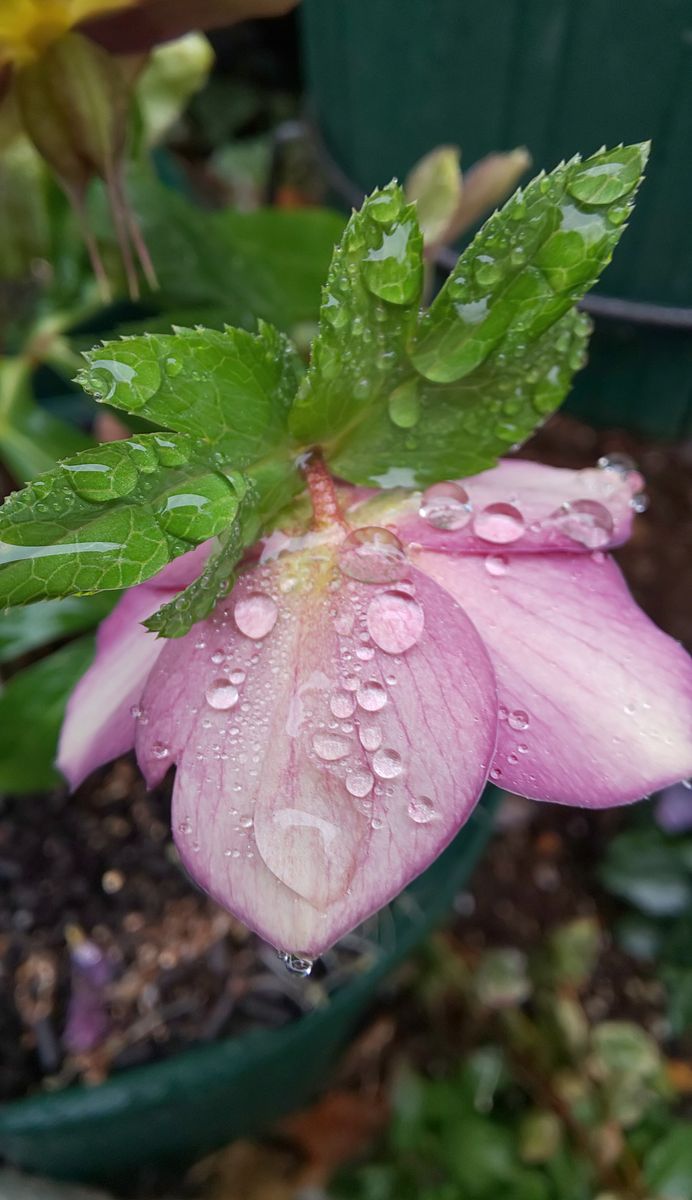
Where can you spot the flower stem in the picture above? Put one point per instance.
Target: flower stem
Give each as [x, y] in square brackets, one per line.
[325, 502]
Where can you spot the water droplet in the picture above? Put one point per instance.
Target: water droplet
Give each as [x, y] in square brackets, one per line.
[342, 704]
[359, 783]
[522, 748]
[373, 555]
[404, 405]
[221, 694]
[487, 271]
[395, 621]
[393, 271]
[371, 695]
[135, 712]
[584, 521]
[134, 382]
[421, 810]
[376, 823]
[245, 822]
[630, 709]
[622, 464]
[446, 506]
[330, 747]
[385, 206]
[218, 657]
[370, 737]
[173, 366]
[237, 677]
[185, 826]
[500, 523]
[495, 773]
[159, 750]
[297, 964]
[496, 564]
[387, 764]
[518, 719]
[256, 615]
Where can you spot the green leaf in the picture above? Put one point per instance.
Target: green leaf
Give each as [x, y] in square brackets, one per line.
[232, 388]
[31, 711]
[645, 867]
[25, 629]
[394, 398]
[668, 1166]
[369, 306]
[530, 262]
[111, 517]
[175, 618]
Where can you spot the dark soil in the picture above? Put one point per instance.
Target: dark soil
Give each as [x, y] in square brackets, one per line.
[102, 865]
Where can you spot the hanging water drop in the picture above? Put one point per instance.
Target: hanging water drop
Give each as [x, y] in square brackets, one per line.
[587, 522]
[297, 964]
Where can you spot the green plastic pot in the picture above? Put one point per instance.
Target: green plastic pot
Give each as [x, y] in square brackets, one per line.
[389, 80]
[172, 1112]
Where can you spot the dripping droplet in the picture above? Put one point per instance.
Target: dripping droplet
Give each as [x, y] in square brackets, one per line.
[297, 964]
[500, 523]
[256, 615]
[395, 621]
[446, 506]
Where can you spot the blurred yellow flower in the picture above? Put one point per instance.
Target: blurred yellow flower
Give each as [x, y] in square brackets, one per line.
[27, 27]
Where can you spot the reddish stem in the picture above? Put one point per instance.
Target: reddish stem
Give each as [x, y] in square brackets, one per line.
[325, 502]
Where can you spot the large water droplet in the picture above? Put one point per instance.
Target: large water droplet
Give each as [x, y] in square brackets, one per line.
[221, 694]
[500, 523]
[134, 382]
[584, 521]
[393, 271]
[370, 737]
[387, 764]
[446, 506]
[329, 746]
[395, 621]
[384, 206]
[421, 810]
[404, 405]
[373, 555]
[359, 783]
[297, 964]
[371, 695]
[256, 615]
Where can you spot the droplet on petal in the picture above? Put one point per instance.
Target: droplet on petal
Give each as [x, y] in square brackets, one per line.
[584, 521]
[221, 694]
[446, 506]
[373, 555]
[371, 695]
[370, 738]
[359, 783]
[387, 764]
[518, 719]
[237, 677]
[421, 810]
[395, 621]
[159, 750]
[500, 523]
[330, 747]
[496, 565]
[256, 615]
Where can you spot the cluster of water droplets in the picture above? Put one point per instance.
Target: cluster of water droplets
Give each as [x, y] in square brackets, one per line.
[518, 720]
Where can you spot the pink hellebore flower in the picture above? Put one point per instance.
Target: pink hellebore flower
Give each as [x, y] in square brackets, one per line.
[335, 720]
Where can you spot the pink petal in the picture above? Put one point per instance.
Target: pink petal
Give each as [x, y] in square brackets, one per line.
[99, 724]
[279, 809]
[556, 510]
[597, 702]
